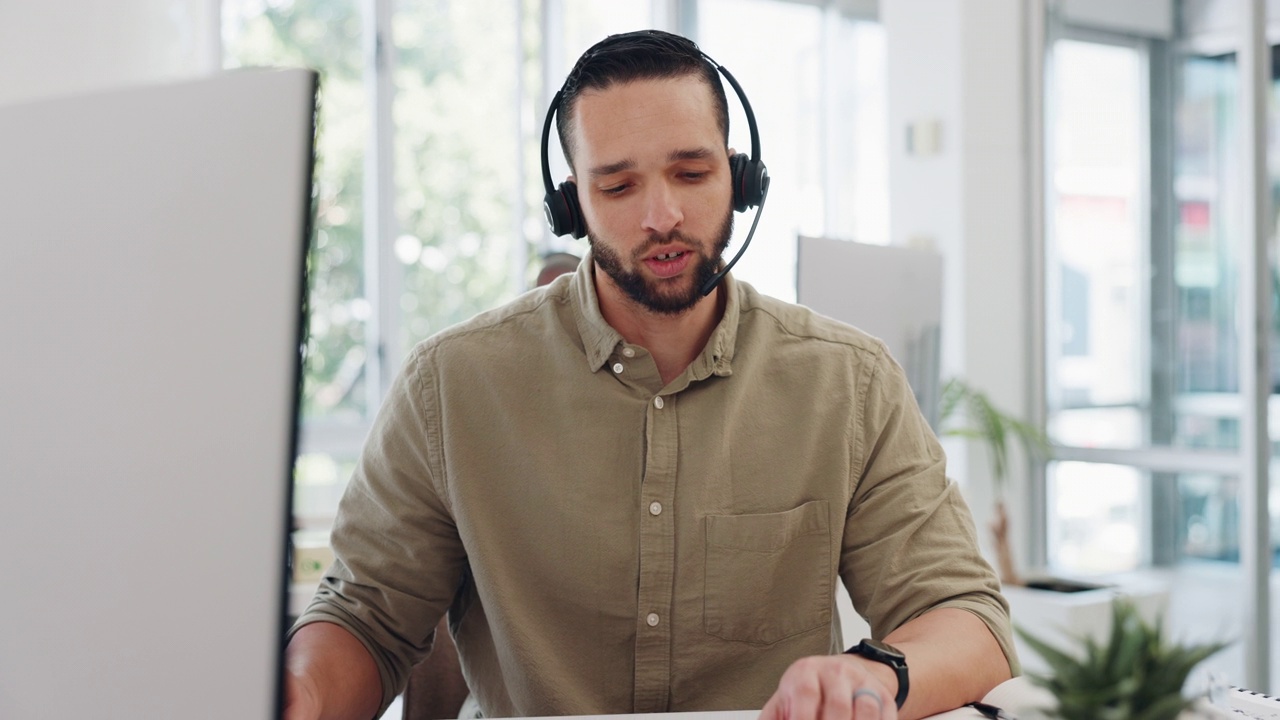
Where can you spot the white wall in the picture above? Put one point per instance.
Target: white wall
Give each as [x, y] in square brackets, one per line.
[959, 64]
[69, 46]
[925, 202]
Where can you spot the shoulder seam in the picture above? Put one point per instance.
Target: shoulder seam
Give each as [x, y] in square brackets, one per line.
[432, 421]
[876, 351]
[499, 316]
[858, 458]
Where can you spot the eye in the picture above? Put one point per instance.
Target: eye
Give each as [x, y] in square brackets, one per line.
[616, 189]
[693, 176]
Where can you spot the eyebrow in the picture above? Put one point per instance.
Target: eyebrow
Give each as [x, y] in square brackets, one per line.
[611, 168]
[701, 153]
[629, 164]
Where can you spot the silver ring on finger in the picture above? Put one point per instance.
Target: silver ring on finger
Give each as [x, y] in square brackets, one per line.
[868, 692]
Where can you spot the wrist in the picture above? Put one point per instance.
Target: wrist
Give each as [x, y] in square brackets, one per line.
[890, 659]
[882, 673]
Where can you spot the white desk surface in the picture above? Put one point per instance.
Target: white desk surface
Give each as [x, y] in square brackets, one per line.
[1013, 695]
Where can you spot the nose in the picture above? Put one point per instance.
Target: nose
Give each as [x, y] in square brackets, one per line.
[662, 211]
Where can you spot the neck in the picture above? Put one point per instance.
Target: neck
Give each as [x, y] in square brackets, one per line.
[673, 340]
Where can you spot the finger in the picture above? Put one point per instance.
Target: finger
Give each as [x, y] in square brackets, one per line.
[773, 709]
[804, 698]
[867, 705]
[837, 695]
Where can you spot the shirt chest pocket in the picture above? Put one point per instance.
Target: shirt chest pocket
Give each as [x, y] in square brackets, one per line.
[768, 576]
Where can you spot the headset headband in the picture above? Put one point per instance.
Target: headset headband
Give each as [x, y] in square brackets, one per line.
[733, 82]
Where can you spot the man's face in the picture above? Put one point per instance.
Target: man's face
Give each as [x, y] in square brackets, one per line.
[653, 182]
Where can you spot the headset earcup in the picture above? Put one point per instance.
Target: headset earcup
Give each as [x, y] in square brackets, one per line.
[738, 170]
[562, 211]
[757, 182]
[749, 181]
[577, 224]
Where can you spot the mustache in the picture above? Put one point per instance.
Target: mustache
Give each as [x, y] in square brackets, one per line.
[659, 239]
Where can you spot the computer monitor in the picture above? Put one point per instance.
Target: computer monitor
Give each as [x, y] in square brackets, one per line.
[893, 293]
[151, 278]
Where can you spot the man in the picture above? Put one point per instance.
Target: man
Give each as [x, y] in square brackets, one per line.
[631, 497]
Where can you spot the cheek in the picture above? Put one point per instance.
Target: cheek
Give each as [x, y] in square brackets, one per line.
[711, 203]
[720, 196]
[609, 218]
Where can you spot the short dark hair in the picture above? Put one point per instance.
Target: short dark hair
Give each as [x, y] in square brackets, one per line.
[640, 55]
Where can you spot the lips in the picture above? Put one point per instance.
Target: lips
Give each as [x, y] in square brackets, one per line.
[669, 262]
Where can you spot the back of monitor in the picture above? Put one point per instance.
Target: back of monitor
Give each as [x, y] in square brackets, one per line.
[153, 250]
[893, 293]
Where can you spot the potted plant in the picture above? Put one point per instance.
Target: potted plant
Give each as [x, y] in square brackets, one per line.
[966, 412]
[1136, 674]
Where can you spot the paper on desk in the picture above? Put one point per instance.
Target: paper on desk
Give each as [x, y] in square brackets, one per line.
[964, 713]
[1026, 701]
[1018, 697]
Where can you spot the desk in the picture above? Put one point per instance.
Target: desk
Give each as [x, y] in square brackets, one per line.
[1018, 696]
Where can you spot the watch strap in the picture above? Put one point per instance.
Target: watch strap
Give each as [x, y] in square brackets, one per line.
[887, 654]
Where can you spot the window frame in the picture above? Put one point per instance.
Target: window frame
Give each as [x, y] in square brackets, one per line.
[1146, 458]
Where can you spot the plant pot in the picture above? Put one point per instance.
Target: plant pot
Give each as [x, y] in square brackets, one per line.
[1071, 610]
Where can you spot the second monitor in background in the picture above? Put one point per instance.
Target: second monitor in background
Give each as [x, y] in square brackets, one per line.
[893, 293]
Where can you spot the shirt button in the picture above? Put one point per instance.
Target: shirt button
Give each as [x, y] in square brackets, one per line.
[628, 352]
[655, 508]
[658, 403]
[652, 619]
[617, 368]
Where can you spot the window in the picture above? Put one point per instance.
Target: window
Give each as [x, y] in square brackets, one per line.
[1097, 523]
[1098, 389]
[325, 35]
[1145, 256]
[460, 242]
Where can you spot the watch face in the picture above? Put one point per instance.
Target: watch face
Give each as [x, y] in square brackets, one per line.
[884, 648]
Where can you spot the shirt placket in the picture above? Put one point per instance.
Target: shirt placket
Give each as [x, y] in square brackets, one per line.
[657, 558]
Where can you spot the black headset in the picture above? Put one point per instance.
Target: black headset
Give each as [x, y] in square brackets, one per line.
[750, 176]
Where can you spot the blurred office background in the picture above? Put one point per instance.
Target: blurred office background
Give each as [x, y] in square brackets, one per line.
[1096, 174]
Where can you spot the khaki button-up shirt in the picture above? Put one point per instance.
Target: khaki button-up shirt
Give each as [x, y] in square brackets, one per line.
[607, 544]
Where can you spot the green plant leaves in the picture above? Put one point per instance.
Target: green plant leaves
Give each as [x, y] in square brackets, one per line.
[1135, 675]
[985, 422]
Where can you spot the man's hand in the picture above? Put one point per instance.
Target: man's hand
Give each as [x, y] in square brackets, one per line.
[833, 687]
[953, 659]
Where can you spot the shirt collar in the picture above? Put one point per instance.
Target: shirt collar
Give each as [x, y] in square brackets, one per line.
[600, 341]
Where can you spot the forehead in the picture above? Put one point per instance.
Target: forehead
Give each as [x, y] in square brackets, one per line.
[626, 117]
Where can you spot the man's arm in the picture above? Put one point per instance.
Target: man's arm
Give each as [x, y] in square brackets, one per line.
[952, 659]
[397, 565]
[912, 565]
[329, 675]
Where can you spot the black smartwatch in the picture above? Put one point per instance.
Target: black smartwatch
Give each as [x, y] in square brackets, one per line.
[889, 655]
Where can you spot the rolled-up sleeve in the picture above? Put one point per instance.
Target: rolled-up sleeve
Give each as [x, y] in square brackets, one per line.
[909, 543]
[398, 557]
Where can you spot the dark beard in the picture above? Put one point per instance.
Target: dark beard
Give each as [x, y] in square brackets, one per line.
[650, 295]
